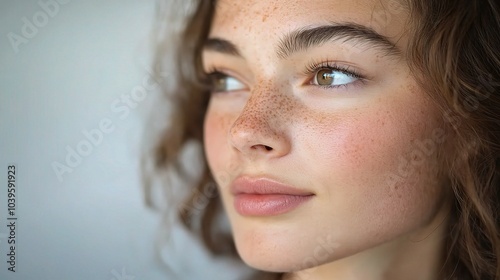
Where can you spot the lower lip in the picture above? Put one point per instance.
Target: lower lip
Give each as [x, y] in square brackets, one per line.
[267, 204]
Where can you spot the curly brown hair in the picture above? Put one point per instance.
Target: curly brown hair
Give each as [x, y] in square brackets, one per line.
[454, 53]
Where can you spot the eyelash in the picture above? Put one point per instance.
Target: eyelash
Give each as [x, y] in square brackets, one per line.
[313, 67]
[215, 71]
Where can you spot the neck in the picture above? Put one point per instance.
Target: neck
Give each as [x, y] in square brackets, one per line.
[415, 256]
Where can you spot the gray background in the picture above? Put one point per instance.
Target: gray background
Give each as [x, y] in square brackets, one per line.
[65, 79]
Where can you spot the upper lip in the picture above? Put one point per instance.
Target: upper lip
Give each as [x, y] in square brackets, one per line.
[262, 185]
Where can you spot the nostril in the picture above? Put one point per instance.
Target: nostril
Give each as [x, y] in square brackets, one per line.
[256, 147]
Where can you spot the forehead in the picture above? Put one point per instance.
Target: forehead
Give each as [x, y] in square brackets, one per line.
[268, 19]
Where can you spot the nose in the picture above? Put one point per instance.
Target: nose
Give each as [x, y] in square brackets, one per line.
[261, 128]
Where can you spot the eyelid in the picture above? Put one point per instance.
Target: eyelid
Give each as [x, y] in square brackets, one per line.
[211, 69]
[315, 66]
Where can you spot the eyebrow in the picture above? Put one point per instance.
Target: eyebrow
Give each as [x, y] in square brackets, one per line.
[305, 38]
[221, 46]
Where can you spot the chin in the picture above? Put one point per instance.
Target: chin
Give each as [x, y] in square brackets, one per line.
[285, 253]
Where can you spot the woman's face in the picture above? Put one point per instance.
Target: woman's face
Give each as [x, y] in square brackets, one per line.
[321, 141]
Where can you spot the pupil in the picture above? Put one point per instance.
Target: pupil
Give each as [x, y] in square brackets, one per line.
[326, 77]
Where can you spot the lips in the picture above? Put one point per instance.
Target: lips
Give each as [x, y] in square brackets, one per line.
[266, 197]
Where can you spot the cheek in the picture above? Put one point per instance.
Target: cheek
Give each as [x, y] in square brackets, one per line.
[371, 167]
[213, 136]
[366, 145]
[216, 126]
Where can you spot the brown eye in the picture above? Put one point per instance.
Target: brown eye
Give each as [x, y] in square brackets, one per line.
[218, 82]
[324, 77]
[333, 77]
[221, 82]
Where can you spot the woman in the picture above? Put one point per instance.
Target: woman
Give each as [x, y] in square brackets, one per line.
[347, 139]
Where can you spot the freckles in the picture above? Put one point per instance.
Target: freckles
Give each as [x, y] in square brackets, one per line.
[269, 11]
[353, 142]
[269, 111]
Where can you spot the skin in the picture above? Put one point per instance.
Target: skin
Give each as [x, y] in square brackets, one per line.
[346, 145]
